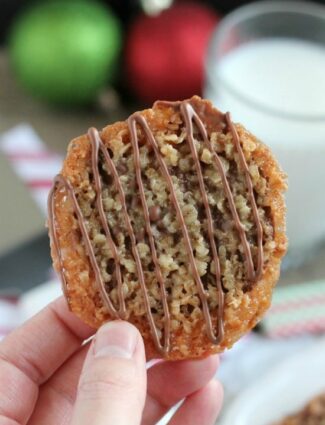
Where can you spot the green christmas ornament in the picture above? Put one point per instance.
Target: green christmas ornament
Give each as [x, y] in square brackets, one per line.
[65, 51]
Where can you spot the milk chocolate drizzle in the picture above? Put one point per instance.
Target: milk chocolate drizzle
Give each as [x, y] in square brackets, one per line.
[189, 116]
[60, 182]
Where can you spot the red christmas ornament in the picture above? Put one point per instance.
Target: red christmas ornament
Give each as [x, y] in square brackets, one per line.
[165, 54]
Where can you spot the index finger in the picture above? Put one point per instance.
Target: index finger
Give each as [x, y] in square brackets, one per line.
[33, 352]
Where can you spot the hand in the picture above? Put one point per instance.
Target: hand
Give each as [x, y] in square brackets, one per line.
[49, 376]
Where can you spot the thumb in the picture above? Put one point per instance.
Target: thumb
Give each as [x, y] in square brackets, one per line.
[112, 385]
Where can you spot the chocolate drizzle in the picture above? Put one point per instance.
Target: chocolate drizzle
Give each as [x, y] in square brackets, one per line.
[60, 182]
[132, 121]
[96, 145]
[152, 214]
[252, 274]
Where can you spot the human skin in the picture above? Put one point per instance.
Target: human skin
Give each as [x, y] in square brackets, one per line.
[50, 375]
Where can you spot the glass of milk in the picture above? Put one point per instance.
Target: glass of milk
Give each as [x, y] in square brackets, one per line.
[266, 65]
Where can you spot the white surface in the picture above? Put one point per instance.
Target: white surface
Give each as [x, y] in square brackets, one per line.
[37, 298]
[9, 317]
[283, 390]
[287, 76]
[253, 356]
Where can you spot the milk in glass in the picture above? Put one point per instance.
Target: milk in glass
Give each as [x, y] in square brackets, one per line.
[276, 88]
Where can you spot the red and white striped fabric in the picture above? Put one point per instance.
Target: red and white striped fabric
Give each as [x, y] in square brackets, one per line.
[36, 166]
[31, 161]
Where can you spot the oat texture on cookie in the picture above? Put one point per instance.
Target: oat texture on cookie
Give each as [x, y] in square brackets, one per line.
[173, 220]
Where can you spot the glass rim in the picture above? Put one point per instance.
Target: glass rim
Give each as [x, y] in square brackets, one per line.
[252, 10]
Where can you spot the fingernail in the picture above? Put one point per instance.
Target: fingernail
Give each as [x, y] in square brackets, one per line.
[116, 339]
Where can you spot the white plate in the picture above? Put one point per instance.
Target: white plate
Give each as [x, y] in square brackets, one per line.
[283, 390]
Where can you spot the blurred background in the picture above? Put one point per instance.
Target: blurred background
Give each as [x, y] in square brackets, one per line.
[66, 65]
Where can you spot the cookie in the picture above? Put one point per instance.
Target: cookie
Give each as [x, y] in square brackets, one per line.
[312, 414]
[173, 220]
